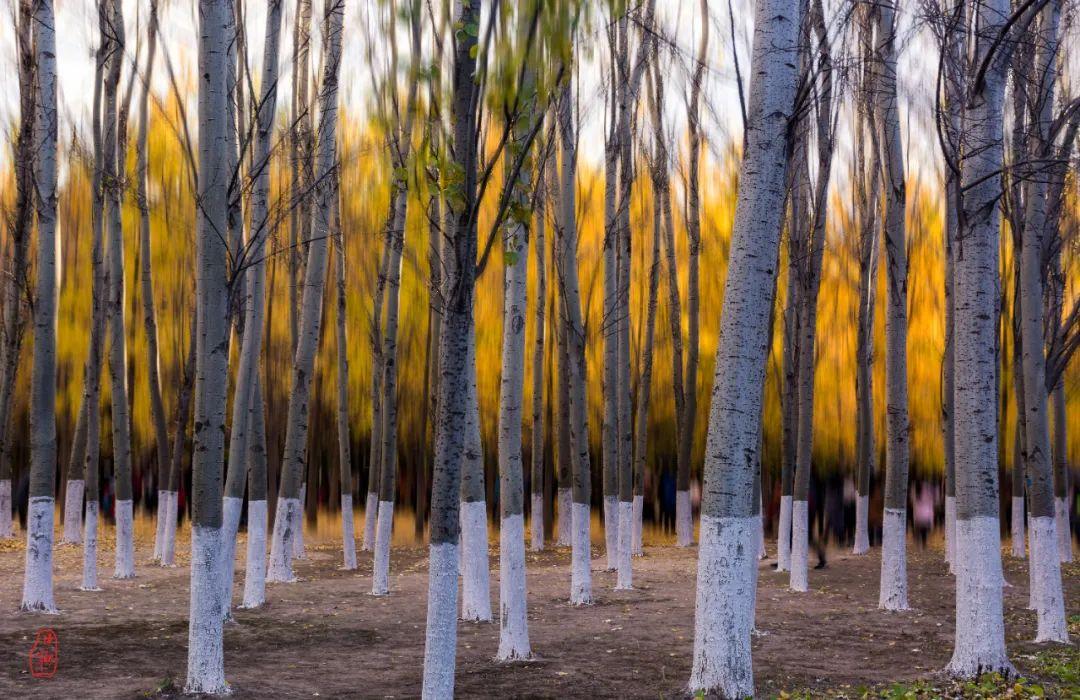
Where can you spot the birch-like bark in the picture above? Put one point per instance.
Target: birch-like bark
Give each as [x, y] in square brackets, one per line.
[301, 146]
[724, 608]
[15, 307]
[176, 459]
[789, 403]
[348, 541]
[980, 634]
[893, 590]
[244, 449]
[567, 242]
[38, 581]
[206, 667]
[450, 439]
[536, 457]
[113, 182]
[287, 520]
[1045, 559]
[475, 578]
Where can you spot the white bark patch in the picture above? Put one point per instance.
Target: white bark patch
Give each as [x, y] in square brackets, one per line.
[348, 539]
[440, 648]
[536, 523]
[1046, 568]
[513, 609]
[206, 661]
[73, 503]
[1064, 529]
[725, 607]
[800, 543]
[862, 529]
[371, 512]
[639, 513]
[783, 537]
[580, 575]
[980, 628]
[281, 547]
[230, 515]
[37, 580]
[384, 530]
[566, 515]
[298, 550]
[476, 581]
[7, 530]
[125, 541]
[1017, 530]
[611, 531]
[168, 543]
[684, 519]
[255, 567]
[161, 516]
[893, 592]
[625, 580]
[90, 525]
[950, 532]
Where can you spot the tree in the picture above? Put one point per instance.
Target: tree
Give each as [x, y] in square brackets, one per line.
[723, 617]
[287, 519]
[38, 583]
[206, 665]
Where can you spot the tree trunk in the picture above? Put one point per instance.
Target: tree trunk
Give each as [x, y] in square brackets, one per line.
[1045, 559]
[115, 304]
[724, 607]
[475, 578]
[567, 240]
[176, 459]
[287, 519]
[38, 581]
[450, 437]
[15, 307]
[893, 591]
[206, 668]
[536, 457]
[980, 634]
[348, 541]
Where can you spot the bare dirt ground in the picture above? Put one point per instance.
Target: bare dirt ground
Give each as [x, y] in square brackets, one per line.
[326, 637]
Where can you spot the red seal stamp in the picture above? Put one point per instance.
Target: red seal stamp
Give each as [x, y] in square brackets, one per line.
[45, 654]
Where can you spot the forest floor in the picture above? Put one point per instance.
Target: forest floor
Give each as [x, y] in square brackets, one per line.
[326, 637]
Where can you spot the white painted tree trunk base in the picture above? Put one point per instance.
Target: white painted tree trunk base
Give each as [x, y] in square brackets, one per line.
[7, 527]
[38, 575]
[725, 608]
[536, 523]
[950, 532]
[440, 647]
[371, 513]
[800, 544]
[580, 574]
[1018, 550]
[299, 552]
[611, 532]
[638, 549]
[160, 517]
[168, 542]
[230, 517]
[1064, 530]
[384, 530]
[90, 550]
[893, 590]
[255, 567]
[513, 609]
[348, 539]
[476, 579]
[565, 518]
[1050, 601]
[862, 527]
[684, 520]
[281, 548]
[980, 629]
[73, 504]
[125, 541]
[625, 579]
[206, 661]
[783, 537]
